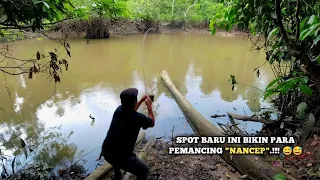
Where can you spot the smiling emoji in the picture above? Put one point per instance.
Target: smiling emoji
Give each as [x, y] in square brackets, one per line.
[287, 150]
[297, 150]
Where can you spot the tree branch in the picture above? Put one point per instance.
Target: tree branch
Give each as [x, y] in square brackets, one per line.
[17, 26]
[308, 68]
[291, 47]
[10, 73]
[250, 118]
[298, 21]
[14, 26]
[185, 14]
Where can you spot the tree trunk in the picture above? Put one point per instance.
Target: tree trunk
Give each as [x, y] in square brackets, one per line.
[251, 165]
[103, 170]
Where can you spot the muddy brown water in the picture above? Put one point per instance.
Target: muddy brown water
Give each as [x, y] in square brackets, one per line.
[199, 64]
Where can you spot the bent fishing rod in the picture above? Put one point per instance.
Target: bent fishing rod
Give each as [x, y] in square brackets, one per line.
[143, 71]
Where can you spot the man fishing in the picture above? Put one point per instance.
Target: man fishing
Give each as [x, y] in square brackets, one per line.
[118, 146]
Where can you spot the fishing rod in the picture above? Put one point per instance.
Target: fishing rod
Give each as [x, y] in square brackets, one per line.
[143, 71]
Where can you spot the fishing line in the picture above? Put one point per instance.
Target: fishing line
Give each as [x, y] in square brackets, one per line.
[142, 59]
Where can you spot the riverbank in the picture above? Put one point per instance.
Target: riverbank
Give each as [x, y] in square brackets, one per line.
[185, 167]
[76, 28]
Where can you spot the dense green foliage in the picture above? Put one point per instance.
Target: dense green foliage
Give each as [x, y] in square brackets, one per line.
[166, 10]
[30, 13]
[287, 30]
[290, 37]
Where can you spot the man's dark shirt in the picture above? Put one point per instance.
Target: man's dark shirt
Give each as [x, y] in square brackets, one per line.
[123, 132]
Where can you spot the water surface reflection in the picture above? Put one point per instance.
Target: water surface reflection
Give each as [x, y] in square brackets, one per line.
[199, 65]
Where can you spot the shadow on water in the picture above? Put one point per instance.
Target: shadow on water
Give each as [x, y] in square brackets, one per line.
[199, 65]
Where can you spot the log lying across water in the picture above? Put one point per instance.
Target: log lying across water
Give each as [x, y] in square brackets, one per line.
[103, 170]
[251, 165]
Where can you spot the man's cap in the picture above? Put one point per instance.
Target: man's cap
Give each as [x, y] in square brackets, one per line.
[129, 94]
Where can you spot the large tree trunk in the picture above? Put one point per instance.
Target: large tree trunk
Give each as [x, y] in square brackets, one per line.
[251, 165]
[103, 170]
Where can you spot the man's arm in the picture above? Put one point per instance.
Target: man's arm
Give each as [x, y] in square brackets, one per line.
[140, 102]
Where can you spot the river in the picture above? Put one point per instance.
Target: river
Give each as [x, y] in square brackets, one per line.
[199, 64]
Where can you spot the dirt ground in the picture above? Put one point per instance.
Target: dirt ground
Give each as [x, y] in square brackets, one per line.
[186, 167]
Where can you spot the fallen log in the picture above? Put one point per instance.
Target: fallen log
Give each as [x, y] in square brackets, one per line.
[251, 165]
[143, 153]
[250, 118]
[103, 170]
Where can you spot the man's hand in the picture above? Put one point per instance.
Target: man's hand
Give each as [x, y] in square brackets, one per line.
[140, 102]
[148, 102]
[150, 113]
[144, 98]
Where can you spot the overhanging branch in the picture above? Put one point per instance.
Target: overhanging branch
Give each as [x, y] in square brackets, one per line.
[297, 21]
[291, 47]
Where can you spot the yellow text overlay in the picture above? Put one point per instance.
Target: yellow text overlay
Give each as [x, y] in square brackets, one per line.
[246, 150]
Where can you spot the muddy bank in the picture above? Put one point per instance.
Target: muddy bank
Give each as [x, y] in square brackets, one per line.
[78, 28]
[122, 27]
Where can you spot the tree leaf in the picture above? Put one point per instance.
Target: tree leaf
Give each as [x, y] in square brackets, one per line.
[213, 31]
[56, 78]
[288, 85]
[309, 164]
[46, 4]
[307, 127]
[313, 28]
[38, 55]
[316, 40]
[68, 52]
[268, 94]
[22, 143]
[304, 34]
[272, 33]
[272, 83]
[306, 89]
[4, 172]
[310, 31]
[316, 31]
[311, 19]
[282, 125]
[12, 164]
[25, 153]
[244, 176]
[303, 22]
[229, 26]
[301, 108]
[274, 15]
[279, 177]
[30, 75]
